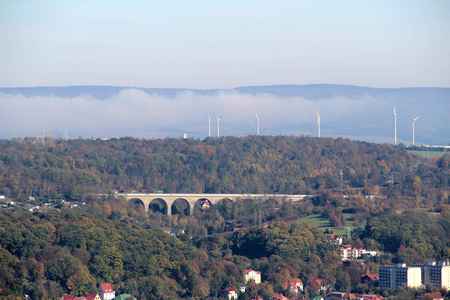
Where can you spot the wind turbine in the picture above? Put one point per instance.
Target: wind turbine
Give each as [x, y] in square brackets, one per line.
[318, 123]
[414, 121]
[257, 124]
[218, 125]
[209, 124]
[395, 127]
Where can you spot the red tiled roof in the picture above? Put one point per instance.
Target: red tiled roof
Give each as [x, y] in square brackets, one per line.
[229, 289]
[370, 276]
[106, 287]
[68, 297]
[333, 236]
[371, 297]
[436, 295]
[319, 281]
[293, 283]
[341, 295]
[248, 271]
[279, 297]
[91, 296]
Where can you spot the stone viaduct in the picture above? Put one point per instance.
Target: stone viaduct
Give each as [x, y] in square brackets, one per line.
[169, 199]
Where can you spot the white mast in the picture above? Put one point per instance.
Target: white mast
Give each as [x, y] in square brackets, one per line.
[318, 123]
[395, 127]
[414, 121]
[43, 137]
[209, 125]
[218, 126]
[257, 124]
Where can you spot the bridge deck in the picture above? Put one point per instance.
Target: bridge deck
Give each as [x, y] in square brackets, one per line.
[191, 199]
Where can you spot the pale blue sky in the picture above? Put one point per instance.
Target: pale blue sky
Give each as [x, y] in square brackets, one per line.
[224, 44]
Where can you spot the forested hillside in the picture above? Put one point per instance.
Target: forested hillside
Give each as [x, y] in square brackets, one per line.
[48, 254]
[254, 164]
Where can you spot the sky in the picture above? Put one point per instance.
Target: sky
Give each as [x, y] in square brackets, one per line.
[224, 44]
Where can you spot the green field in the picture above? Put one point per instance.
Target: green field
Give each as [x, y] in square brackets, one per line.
[427, 154]
[324, 223]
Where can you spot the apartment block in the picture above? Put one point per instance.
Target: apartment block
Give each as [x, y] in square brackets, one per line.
[436, 274]
[399, 275]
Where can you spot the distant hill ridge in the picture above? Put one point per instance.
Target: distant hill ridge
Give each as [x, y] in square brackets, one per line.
[311, 91]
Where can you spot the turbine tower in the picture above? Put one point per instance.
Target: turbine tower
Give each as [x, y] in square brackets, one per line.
[395, 127]
[43, 137]
[318, 123]
[414, 121]
[218, 125]
[209, 124]
[257, 124]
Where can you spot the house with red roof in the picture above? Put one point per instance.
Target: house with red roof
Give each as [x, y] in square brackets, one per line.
[106, 291]
[370, 297]
[93, 296]
[294, 285]
[252, 275]
[317, 285]
[434, 296]
[368, 277]
[67, 297]
[278, 297]
[336, 239]
[341, 296]
[230, 293]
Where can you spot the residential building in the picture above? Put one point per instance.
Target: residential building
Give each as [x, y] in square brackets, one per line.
[294, 285]
[336, 239]
[433, 296]
[353, 252]
[370, 297]
[340, 296]
[436, 274]
[204, 204]
[93, 296]
[369, 277]
[394, 276]
[278, 297]
[252, 275]
[317, 285]
[106, 291]
[176, 231]
[230, 293]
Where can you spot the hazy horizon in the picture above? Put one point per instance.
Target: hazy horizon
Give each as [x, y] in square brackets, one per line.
[136, 113]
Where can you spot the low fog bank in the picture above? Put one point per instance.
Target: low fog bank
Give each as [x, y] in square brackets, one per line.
[136, 113]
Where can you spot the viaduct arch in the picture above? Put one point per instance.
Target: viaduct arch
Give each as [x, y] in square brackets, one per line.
[191, 199]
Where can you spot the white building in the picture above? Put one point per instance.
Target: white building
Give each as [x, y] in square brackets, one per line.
[106, 292]
[230, 293]
[436, 274]
[252, 275]
[399, 275]
[353, 252]
[336, 239]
